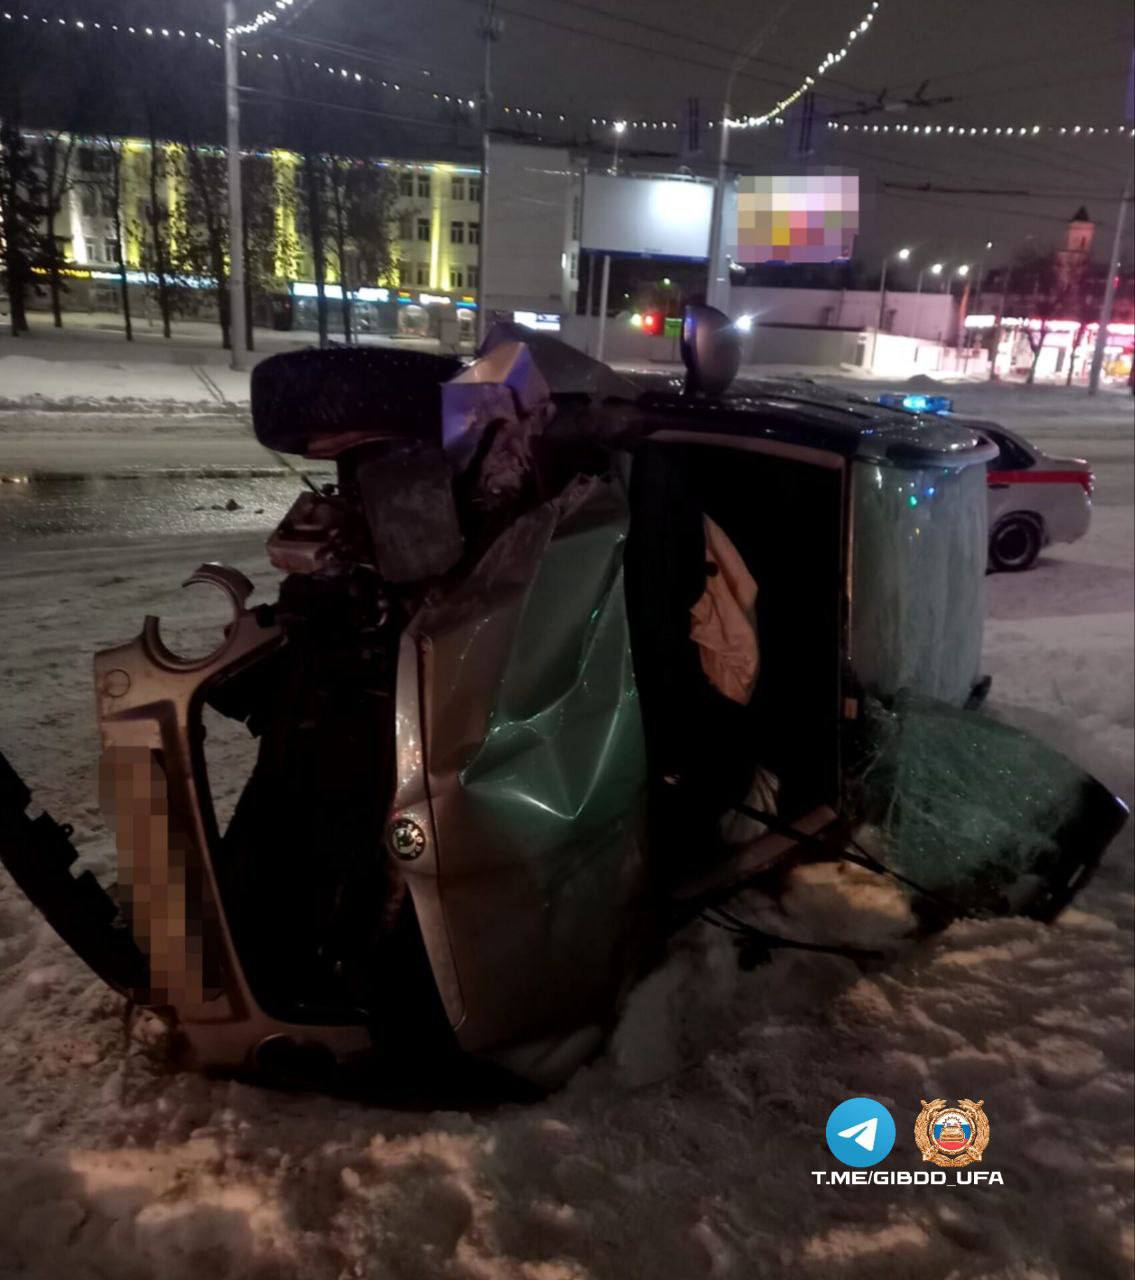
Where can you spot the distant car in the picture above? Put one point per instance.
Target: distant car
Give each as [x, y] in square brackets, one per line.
[1034, 500]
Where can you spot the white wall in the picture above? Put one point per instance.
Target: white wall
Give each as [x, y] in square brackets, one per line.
[927, 315]
[529, 220]
[795, 346]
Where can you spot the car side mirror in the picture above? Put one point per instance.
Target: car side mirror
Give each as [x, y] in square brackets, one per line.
[711, 349]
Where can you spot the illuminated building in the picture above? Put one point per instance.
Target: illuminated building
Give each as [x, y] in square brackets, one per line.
[434, 235]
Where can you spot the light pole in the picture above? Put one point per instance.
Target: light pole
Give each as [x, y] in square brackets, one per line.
[620, 127]
[490, 32]
[1109, 292]
[716, 282]
[963, 305]
[903, 255]
[237, 335]
[935, 269]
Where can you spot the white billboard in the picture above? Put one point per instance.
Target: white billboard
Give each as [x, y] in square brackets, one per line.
[657, 217]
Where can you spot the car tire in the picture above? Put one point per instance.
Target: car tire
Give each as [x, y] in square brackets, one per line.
[1015, 544]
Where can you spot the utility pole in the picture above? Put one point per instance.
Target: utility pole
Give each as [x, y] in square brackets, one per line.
[490, 32]
[1109, 291]
[717, 282]
[604, 292]
[237, 332]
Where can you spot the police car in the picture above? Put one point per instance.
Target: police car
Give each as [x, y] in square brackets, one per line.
[1034, 499]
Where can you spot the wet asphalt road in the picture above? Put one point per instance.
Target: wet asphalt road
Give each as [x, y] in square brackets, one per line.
[110, 511]
[104, 511]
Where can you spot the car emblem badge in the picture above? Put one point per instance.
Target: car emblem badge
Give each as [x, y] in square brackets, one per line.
[405, 839]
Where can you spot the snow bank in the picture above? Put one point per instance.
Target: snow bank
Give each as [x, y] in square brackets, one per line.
[75, 385]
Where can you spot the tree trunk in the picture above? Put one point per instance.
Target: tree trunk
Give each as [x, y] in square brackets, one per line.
[248, 312]
[215, 231]
[1036, 354]
[56, 187]
[345, 288]
[247, 272]
[56, 284]
[161, 267]
[15, 265]
[313, 172]
[119, 256]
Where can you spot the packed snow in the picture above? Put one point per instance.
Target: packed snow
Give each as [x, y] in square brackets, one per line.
[686, 1149]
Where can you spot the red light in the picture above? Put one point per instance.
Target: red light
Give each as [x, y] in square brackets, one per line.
[652, 323]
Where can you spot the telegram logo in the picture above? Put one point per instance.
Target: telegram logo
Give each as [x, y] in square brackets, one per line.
[860, 1132]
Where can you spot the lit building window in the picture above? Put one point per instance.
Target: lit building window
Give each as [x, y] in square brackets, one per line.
[457, 233]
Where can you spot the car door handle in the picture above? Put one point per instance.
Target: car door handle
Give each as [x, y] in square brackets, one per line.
[999, 485]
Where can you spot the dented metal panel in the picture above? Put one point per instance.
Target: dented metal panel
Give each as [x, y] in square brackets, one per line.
[534, 764]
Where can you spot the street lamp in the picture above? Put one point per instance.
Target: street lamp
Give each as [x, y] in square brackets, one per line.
[620, 127]
[902, 255]
[936, 269]
[963, 270]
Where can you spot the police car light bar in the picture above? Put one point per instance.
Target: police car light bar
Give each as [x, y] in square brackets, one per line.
[914, 403]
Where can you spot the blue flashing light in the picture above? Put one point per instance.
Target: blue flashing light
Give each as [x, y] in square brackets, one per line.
[915, 403]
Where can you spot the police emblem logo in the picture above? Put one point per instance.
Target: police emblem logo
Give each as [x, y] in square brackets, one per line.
[952, 1136]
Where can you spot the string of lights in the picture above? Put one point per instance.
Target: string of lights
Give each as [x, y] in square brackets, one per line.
[466, 102]
[830, 60]
[988, 131]
[266, 17]
[461, 101]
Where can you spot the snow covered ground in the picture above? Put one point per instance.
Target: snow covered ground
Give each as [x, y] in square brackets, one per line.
[686, 1150]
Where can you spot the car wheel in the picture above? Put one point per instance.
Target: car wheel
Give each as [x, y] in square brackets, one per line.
[1015, 544]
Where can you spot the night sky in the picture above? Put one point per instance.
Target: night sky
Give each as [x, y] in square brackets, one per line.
[1044, 62]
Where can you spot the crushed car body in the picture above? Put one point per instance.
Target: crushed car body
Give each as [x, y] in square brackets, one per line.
[561, 660]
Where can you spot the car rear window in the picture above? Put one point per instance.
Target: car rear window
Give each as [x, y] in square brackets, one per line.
[1010, 455]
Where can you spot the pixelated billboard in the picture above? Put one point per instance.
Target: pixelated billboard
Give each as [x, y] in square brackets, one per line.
[810, 217]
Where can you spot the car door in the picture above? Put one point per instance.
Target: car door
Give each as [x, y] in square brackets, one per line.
[1001, 472]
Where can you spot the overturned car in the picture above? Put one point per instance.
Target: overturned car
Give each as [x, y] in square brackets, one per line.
[560, 662]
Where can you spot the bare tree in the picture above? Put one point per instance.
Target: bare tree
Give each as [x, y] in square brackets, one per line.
[361, 199]
[200, 228]
[110, 192]
[21, 207]
[155, 229]
[1084, 303]
[266, 238]
[1039, 292]
[314, 221]
[57, 149]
